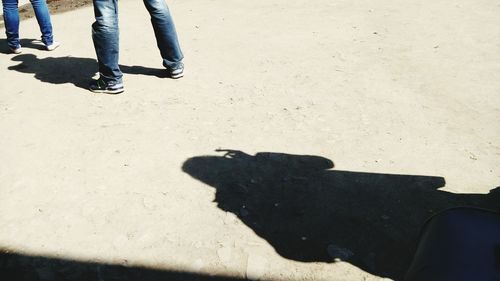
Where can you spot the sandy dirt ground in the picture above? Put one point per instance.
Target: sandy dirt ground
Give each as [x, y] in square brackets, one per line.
[349, 123]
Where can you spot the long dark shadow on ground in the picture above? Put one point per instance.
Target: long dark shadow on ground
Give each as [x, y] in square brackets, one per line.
[311, 213]
[60, 70]
[73, 70]
[16, 267]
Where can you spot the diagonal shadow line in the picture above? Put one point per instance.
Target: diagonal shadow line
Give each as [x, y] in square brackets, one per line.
[19, 267]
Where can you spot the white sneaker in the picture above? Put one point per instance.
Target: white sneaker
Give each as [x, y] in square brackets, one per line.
[53, 46]
[178, 72]
[17, 50]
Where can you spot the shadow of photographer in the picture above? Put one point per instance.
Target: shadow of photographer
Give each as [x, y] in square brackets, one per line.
[310, 213]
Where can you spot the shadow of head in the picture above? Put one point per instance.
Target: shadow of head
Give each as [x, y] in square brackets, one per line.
[311, 213]
[61, 70]
[237, 165]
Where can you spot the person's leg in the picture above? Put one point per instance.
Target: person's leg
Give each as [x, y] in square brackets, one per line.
[166, 36]
[43, 18]
[105, 35]
[11, 20]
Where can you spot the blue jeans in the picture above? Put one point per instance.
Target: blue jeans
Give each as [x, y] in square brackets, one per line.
[105, 34]
[11, 20]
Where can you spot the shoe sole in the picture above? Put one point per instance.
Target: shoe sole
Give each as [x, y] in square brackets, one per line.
[53, 48]
[177, 76]
[114, 92]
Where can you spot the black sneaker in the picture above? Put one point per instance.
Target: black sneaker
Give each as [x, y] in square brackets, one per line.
[176, 73]
[101, 86]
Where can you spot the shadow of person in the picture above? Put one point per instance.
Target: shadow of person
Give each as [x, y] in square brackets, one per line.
[61, 70]
[74, 70]
[310, 213]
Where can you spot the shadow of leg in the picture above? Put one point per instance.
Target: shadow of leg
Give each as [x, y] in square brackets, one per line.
[140, 70]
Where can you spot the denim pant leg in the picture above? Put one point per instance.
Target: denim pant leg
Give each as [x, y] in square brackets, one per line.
[11, 20]
[166, 36]
[43, 18]
[105, 35]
